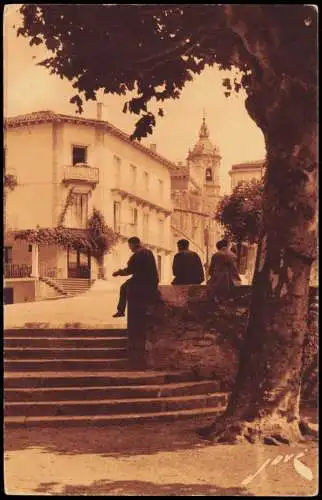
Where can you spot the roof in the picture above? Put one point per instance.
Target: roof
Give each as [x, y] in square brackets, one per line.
[48, 116]
[249, 164]
[204, 145]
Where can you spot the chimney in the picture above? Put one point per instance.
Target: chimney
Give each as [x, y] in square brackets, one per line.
[99, 111]
[153, 148]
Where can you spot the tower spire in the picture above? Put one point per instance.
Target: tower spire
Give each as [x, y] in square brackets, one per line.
[204, 132]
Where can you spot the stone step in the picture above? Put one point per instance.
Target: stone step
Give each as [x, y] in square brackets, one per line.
[63, 379]
[105, 420]
[59, 353]
[113, 407]
[58, 365]
[65, 332]
[67, 342]
[74, 287]
[111, 392]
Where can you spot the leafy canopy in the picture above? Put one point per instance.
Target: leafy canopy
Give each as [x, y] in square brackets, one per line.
[154, 50]
[241, 212]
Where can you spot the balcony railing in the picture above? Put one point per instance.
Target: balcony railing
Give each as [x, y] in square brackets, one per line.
[81, 173]
[46, 271]
[17, 271]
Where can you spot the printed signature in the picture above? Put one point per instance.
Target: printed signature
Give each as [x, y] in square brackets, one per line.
[301, 469]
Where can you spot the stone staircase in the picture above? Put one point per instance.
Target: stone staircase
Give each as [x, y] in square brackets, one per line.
[71, 286]
[81, 377]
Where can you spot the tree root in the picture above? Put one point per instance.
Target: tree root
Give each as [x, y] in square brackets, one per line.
[269, 430]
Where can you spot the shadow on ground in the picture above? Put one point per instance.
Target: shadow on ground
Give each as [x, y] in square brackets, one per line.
[115, 440]
[142, 488]
[111, 441]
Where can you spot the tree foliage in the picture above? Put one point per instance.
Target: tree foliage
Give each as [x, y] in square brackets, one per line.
[241, 213]
[154, 50]
[103, 238]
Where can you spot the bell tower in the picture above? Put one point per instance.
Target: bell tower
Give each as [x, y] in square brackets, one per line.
[204, 165]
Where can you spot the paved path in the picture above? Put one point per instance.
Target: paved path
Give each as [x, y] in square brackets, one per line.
[156, 460]
[94, 308]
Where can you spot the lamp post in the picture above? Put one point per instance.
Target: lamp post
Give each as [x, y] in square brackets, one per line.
[206, 240]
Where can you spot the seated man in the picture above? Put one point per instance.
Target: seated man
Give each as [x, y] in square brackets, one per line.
[187, 267]
[223, 272]
[144, 272]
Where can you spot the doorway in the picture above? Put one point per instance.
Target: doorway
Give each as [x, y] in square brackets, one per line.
[8, 296]
[79, 264]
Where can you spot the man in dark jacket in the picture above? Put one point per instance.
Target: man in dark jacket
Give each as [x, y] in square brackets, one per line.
[187, 267]
[144, 281]
[223, 272]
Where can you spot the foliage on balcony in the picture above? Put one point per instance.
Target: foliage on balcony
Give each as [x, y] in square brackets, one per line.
[98, 238]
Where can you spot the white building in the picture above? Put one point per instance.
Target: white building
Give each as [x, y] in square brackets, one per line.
[65, 166]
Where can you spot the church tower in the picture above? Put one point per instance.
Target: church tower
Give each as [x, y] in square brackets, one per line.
[204, 164]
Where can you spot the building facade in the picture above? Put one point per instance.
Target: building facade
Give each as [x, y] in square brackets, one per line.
[246, 172]
[195, 192]
[65, 166]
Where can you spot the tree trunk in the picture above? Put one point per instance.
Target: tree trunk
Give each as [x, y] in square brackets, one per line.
[101, 269]
[264, 403]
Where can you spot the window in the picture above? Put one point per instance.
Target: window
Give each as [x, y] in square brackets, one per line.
[117, 216]
[8, 255]
[161, 188]
[79, 210]
[146, 181]
[146, 227]
[208, 174]
[134, 216]
[79, 154]
[133, 176]
[29, 248]
[117, 167]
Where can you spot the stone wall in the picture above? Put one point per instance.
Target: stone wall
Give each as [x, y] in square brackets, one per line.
[190, 334]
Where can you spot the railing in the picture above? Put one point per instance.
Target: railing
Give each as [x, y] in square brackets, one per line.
[79, 272]
[81, 173]
[46, 271]
[17, 271]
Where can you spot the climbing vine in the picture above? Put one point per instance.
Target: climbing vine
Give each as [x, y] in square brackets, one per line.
[98, 238]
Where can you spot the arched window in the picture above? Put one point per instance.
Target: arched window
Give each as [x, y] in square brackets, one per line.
[208, 174]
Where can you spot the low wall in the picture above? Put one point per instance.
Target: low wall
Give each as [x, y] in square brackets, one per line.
[23, 291]
[45, 291]
[188, 333]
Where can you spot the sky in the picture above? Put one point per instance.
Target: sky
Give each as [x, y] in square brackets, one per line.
[29, 88]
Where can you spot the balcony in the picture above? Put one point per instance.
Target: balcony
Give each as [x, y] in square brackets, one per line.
[81, 173]
[17, 271]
